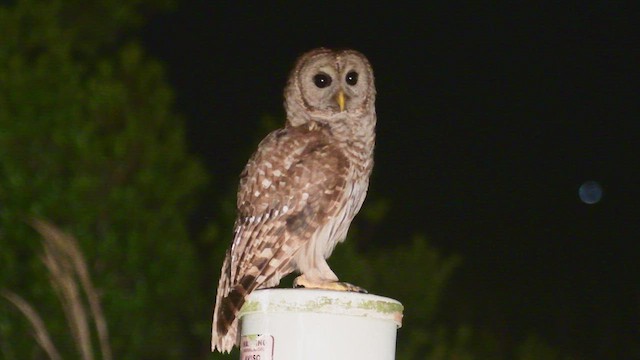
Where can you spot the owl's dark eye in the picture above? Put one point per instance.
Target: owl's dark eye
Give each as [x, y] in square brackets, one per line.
[322, 80]
[352, 78]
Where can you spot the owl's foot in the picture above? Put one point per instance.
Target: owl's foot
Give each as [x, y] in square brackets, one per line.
[302, 282]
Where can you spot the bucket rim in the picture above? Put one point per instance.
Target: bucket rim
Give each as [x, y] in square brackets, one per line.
[323, 301]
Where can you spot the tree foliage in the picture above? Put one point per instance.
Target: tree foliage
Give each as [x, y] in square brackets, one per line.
[90, 141]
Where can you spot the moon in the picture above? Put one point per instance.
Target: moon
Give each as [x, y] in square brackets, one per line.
[590, 192]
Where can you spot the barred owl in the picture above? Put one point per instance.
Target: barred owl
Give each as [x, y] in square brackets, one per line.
[303, 186]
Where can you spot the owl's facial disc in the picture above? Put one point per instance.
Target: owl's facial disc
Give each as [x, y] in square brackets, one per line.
[332, 83]
[330, 87]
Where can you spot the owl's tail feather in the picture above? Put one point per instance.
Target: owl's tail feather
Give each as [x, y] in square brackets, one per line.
[224, 330]
[224, 333]
[231, 297]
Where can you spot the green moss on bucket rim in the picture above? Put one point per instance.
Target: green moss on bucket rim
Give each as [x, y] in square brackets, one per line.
[338, 304]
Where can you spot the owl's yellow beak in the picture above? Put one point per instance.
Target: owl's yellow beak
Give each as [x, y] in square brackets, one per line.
[340, 99]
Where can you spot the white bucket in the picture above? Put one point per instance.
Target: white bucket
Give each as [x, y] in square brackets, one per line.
[297, 324]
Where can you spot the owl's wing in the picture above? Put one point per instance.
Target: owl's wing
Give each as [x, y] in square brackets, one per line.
[291, 185]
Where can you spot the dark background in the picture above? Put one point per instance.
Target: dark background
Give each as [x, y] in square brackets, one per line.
[490, 117]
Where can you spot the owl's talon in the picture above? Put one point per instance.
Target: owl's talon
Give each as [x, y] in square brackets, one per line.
[302, 282]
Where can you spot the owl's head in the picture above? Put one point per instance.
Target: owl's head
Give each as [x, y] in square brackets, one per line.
[327, 84]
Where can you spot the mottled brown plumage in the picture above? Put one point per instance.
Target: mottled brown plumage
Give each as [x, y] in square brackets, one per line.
[302, 187]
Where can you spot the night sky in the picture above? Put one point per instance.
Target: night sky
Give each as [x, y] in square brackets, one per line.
[489, 120]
